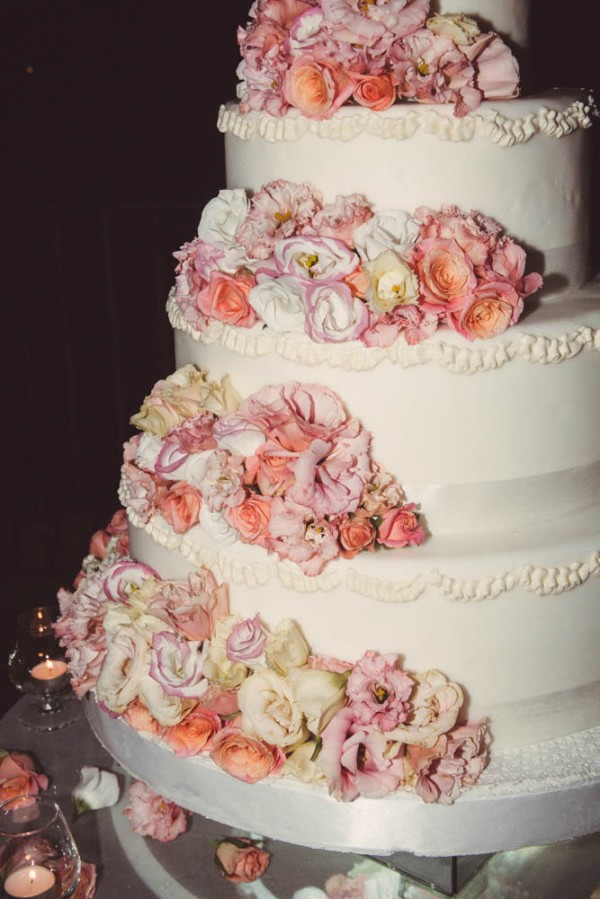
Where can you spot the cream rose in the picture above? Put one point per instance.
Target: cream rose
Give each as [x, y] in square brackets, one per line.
[461, 29]
[301, 764]
[318, 694]
[269, 711]
[434, 706]
[167, 710]
[127, 662]
[286, 647]
[392, 283]
[217, 666]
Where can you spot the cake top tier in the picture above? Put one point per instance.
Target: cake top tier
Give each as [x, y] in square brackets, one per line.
[317, 55]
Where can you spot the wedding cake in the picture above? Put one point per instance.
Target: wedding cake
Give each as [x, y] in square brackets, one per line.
[364, 512]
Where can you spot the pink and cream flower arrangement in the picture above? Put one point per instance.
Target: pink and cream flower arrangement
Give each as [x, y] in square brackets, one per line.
[286, 469]
[317, 55]
[344, 271]
[177, 665]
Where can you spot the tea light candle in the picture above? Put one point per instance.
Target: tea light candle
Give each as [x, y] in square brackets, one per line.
[49, 670]
[30, 882]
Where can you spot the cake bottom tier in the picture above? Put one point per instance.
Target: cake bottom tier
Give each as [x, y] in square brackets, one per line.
[528, 796]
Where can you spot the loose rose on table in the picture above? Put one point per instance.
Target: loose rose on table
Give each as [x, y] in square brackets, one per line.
[18, 775]
[241, 859]
[151, 815]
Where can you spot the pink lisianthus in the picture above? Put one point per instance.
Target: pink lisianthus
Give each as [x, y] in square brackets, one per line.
[180, 506]
[280, 209]
[456, 759]
[342, 217]
[446, 274]
[192, 608]
[250, 518]
[222, 483]
[241, 860]
[122, 578]
[492, 308]
[295, 533]
[225, 298]
[194, 733]
[151, 815]
[328, 663]
[334, 313]
[400, 527]
[177, 665]
[316, 259]
[195, 434]
[316, 87]
[376, 92]
[142, 490]
[353, 759]
[18, 776]
[496, 67]
[247, 641]
[81, 613]
[378, 691]
[246, 758]
[369, 24]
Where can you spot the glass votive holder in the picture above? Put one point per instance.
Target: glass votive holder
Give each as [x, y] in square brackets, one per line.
[38, 857]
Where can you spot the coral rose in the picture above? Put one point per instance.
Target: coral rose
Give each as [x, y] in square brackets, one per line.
[400, 527]
[376, 92]
[446, 274]
[494, 307]
[356, 533]
[241, 860]
[251, 518]
[316, 87]
[181, 506]
[244, 757]
[193, 734]
[226, 298]
[18, 776]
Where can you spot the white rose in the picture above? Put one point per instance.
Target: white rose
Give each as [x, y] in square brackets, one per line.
[127, 661]
[222, 216]
[217, 666]
[193, 470]
[147, 451]
[389, 229]
[168, 710]
[279, 303]
[318, 694]
[334, 314]
[269, 711]
[286, 647]
[461, 29]
[393, 283]
[133, 615]
[96, 789]
[215, 526]
[300, 764]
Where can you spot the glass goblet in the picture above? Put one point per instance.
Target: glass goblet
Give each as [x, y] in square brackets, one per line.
[36, 666]
[38, 857]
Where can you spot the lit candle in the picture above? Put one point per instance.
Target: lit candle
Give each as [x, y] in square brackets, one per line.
[49, 670]
[31, 882]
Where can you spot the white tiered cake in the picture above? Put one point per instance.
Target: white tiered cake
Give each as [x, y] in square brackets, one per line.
[496, 440]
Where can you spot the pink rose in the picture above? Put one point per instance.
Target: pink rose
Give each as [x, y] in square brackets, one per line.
[246, 758]
[194, 733]
[18, 776]
[400, 527]
[251, 518]
[241, 860]
[446, 274]
[493, 308]
[152, 815]
[356, 533]
[225, 298]
[316, 87]
[180, 506]
[376, 92]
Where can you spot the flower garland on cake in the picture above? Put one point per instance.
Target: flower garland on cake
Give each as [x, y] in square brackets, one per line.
[317, 55]
[343, 271]
[172, 660]
[287, 469]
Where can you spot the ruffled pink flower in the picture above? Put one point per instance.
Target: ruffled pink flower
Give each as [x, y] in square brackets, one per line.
[246, 641]
[85, 661]
[354, 762]
[195, 434]
[281, 209]
[123, 577]
[315, 258]
[192, 608]
[400, 527]
[378, 691]
[316, 87]
[295, 533]
[457, 759]
[180, 506]
[196, 262]
[142, 491]
[413, 322]
[284, 12]
[367, 24]
[496, 67]
[222, 483]
[177, 665]
[117, 527]
[341, 218]
[154, 816]
[508, 261]
[328, 663]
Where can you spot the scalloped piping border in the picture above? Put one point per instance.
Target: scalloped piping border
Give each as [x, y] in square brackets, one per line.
[458, 360]
[533, 579]
[489, 125]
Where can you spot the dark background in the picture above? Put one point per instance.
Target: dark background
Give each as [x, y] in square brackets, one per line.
[110, 152]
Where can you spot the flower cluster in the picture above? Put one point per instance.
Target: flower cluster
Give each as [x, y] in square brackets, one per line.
[178, 665]
[287, 469]
[317, 55]
[345, 271]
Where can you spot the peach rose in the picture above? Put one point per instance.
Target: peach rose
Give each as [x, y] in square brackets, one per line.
[244, 757]
[225, 298]
[356, 533]
[316, 87]
[493, 308]
[180, 506]
[193, 734]
[376, 92]
[18, 776]
[241, 860]
[400, 527]
[446, 274]
[137, 716]
[251, 518]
